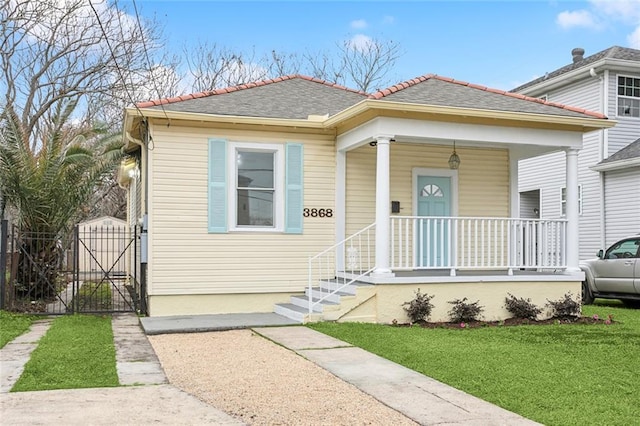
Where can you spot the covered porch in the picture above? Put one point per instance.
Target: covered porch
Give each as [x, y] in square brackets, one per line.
[427, 198]
[467, 247]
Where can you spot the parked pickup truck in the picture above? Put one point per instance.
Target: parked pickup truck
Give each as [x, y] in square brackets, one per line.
[614, 274]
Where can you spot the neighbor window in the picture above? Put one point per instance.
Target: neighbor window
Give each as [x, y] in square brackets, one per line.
[563, 200]
[628, 96]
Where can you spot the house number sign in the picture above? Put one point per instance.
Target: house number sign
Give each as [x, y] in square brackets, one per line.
[317, 212]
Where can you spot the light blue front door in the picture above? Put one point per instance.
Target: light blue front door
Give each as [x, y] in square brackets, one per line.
[434, 199]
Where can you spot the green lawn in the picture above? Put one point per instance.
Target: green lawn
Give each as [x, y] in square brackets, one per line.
[76, 352]
[12, 325]
[556, 375]
[93, 297]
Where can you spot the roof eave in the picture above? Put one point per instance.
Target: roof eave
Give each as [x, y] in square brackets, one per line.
[216, 118]
[588, 124]
[617, 165]
[580, 73]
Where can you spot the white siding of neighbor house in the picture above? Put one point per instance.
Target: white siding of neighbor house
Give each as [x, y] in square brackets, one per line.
[483, 180]
[529, 202]
[628, 128]
[548, 172]
[622, 189]
[186, 259]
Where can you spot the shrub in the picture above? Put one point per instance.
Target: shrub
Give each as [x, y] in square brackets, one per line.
[463, 311]
[521, 308]
[567, 307]
[419, 308]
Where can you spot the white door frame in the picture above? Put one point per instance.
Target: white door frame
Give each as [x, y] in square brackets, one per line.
[422, 171]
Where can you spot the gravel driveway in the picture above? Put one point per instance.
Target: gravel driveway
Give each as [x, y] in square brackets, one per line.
[261, 383]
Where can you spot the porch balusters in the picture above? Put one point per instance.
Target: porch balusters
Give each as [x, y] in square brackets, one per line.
[476, 243]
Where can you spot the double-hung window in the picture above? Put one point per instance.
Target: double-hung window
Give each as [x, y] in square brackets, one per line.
[256, 199]
[628, 96]
[563, 200]
[255, 187]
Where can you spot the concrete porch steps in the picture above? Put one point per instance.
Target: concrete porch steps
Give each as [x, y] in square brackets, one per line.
[332, 306]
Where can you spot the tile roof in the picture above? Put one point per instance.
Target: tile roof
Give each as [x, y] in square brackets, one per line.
[297, 97]
[436, 90]
[291, 97]
[629, 152]
[615, 52]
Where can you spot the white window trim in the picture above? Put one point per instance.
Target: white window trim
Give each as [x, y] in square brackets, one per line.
[563, 201]
[624, 96]
[279, 183]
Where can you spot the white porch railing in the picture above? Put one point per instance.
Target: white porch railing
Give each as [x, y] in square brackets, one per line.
[355, 256]
[476, 243]
[421, 243]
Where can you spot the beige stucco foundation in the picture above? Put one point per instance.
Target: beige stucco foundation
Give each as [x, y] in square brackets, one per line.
[205, 304]
[387, 305]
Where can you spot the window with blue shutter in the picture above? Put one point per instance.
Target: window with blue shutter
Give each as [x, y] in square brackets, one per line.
[217, 190]
[255, 187]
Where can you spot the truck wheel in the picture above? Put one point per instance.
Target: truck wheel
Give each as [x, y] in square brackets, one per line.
[587, 296]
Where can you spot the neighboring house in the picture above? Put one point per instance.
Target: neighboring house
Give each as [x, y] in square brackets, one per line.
[607, 82]
[621, 175]
[253, 194]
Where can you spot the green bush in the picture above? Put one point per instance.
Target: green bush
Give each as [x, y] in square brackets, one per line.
[464, 311]
[419, 309]
[521, 308]
[567, 307]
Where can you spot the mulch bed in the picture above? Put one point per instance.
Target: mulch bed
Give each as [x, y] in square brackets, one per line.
[510, 322]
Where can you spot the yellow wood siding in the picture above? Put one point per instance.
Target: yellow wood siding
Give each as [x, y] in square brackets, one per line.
[483, 180]
[186, 259]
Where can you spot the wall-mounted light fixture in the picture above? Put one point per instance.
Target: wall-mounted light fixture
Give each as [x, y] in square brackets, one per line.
[454, 160]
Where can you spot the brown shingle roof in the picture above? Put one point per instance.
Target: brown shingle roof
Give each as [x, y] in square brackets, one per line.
[292, 96]
[629, 152]
[614, 52]
[297, 97]
[436, 90]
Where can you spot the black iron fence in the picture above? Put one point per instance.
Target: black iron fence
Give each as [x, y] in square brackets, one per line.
[94, 269]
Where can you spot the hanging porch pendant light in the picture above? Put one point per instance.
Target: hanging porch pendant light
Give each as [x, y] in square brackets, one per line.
[454, 160]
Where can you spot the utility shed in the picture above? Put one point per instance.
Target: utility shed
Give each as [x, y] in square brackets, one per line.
[102, 245]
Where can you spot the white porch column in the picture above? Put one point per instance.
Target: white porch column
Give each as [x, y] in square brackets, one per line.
[514, 193]
[341, 209]
[573, 238]
[383, 216]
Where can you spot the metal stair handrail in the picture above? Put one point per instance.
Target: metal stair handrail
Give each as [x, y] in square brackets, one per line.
[361, 262]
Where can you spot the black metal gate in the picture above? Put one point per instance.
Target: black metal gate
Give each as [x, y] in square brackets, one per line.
[95, 269]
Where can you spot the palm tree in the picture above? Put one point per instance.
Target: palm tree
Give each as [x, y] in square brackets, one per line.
[49, 187]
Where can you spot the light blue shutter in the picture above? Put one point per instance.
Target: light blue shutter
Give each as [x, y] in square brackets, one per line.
[217, 186]
[294, 185]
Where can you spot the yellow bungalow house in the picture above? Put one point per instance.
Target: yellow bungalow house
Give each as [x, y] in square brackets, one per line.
[315, 201]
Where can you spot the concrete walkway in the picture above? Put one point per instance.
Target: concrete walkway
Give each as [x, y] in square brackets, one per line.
[217, 322]
[418, 397]
[136, 362]
[15, 354]
[131, 405]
